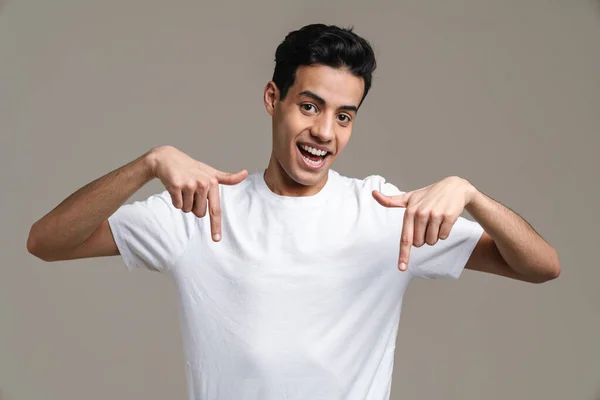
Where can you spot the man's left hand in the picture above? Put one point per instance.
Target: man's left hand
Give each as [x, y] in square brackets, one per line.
[430, 212]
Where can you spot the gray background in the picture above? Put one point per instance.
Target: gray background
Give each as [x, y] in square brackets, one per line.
[503, 93]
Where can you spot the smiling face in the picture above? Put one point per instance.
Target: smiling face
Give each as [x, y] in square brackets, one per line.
[311, 127]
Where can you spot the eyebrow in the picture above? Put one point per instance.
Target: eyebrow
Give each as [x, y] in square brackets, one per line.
[322, 102]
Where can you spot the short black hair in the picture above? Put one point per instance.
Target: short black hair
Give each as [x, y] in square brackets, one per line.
[320, 44]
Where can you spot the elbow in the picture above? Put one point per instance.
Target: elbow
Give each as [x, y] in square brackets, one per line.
[554, 270]
[549, 275]
[32, 243]
[34, 248]
[551, 271]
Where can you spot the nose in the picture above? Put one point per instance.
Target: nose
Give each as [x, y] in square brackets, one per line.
[323, 129]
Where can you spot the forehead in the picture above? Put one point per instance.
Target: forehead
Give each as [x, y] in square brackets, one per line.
[336, 86]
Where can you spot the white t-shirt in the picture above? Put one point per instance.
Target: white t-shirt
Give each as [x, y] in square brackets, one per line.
[301, 297]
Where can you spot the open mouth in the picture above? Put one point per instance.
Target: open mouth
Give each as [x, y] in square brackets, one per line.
[313, 157]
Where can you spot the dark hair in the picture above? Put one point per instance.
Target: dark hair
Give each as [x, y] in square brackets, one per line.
[326, 45]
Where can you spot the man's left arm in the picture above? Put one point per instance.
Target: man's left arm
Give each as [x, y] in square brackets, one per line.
[509, 246]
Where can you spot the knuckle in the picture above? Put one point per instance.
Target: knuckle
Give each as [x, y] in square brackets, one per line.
[437, 215]
[213, 181]
[215, 211]
[405, 239]
[190, 185]
[176, 185]
[422, 214]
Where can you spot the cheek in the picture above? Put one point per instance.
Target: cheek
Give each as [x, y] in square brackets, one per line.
[291, 127]
[280, 128]
[343, 138]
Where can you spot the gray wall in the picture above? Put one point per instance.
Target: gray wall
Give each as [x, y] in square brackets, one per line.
[503, 93]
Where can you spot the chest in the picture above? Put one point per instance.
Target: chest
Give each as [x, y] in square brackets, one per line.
[288, 294]
[290, 276]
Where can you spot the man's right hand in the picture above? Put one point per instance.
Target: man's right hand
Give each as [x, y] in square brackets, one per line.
[191, 183]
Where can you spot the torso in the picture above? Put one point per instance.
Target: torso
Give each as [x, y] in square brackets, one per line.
[300, 299]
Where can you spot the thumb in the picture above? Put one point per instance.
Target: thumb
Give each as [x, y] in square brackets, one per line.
[400, 200]
[227, 178]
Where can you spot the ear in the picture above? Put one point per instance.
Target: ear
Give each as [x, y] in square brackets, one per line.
[271, 96]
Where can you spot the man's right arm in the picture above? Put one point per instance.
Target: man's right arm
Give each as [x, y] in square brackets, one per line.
[78, 227]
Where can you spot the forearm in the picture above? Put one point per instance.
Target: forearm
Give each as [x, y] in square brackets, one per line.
[75, 219]
[526, 252]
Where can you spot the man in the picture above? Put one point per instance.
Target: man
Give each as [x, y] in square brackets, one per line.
[289, 287]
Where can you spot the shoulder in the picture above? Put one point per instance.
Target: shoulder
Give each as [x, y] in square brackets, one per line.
[360, 192]
[368, 184]
[243, 187]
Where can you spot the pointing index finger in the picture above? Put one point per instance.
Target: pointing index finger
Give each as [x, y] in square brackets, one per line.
[406, 240]
[214, 210]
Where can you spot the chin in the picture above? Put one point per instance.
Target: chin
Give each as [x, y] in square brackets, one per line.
[309, 178]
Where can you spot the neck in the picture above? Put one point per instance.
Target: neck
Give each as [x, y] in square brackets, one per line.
[282, 184]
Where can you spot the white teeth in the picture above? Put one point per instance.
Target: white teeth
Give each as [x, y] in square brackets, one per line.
[313, 151]
[311, 162]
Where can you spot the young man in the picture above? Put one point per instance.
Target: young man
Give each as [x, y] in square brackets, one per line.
[291, 286]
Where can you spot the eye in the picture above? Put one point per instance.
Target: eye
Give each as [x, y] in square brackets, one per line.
[345, 118]
[308, 107]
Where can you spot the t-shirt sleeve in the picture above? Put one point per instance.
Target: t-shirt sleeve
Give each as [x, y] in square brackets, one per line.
[152, 233]
[447, 258]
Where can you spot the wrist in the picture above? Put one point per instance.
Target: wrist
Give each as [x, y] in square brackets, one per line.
[150, 161]
[472, 197]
